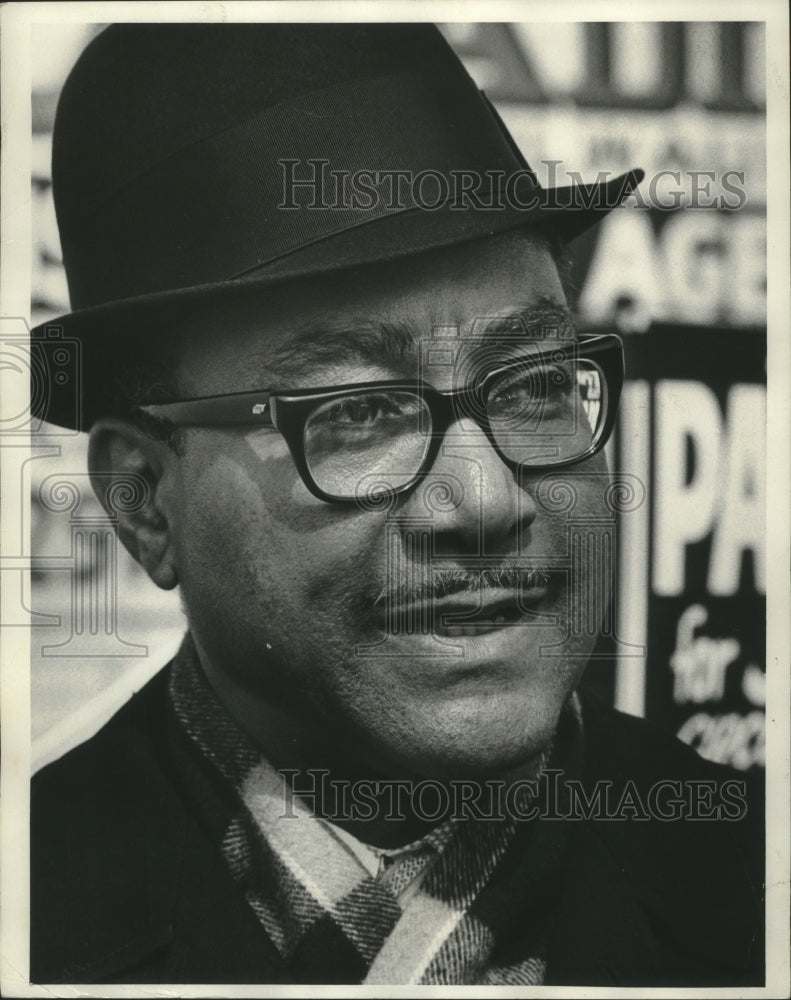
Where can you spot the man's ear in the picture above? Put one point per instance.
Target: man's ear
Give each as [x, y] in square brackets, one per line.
[128, 471]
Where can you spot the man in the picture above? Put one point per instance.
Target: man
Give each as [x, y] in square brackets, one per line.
[326, 345]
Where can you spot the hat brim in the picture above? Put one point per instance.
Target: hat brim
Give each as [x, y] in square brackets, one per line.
[567, 211]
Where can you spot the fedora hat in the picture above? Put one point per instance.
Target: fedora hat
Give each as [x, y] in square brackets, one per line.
[196, 160]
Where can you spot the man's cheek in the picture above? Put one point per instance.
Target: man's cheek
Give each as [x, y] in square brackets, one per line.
[578, 531]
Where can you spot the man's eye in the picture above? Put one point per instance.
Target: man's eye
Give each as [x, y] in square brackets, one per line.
[535, 386]
[358, 411]
[366, 411]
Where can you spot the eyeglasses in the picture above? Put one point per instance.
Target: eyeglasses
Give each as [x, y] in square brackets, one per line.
[544, 410]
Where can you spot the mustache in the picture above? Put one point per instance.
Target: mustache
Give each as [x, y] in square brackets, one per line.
[425, 583]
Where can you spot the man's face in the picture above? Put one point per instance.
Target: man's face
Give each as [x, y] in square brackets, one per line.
[290, 597]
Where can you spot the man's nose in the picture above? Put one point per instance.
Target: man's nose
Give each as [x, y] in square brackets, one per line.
[473, 499]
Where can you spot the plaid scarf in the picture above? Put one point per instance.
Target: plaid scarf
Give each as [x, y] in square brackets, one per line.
[462, 905]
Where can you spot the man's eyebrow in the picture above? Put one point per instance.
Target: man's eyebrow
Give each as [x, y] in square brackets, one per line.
[316, 345]
[537, 320]
[312, 346]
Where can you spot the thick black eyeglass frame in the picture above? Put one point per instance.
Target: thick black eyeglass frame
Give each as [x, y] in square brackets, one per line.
[288, 412]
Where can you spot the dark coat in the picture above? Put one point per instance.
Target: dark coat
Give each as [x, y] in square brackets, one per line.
[128, 886]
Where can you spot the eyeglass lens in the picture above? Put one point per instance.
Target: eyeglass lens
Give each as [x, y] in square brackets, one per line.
[539, 415]
[546, 415]
[365, 436]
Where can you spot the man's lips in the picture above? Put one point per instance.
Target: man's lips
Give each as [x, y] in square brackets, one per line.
[469, 614]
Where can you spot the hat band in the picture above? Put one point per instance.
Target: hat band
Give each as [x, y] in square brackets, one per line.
[271, 185]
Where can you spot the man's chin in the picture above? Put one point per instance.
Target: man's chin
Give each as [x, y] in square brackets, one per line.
[483, 746]
[453, 718]
[506, 764]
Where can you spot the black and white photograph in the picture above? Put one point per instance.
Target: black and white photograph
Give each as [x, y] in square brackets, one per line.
[395, 499]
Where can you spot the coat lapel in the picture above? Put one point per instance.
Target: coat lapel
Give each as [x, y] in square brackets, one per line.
[644, 906]
[110, 822]
[651, 902]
